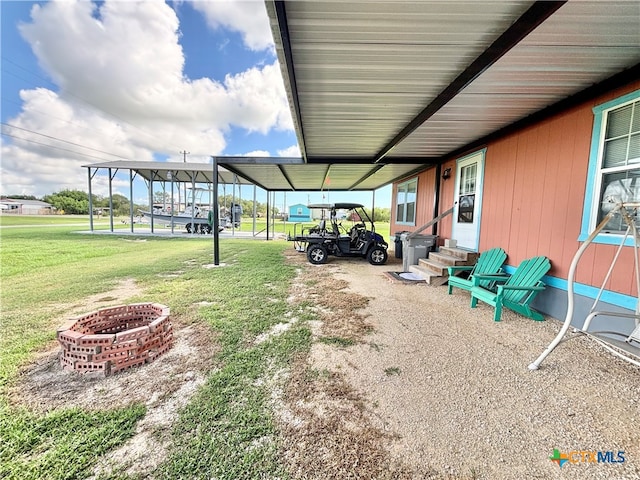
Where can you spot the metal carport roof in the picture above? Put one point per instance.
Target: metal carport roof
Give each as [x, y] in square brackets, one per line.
[398, 81]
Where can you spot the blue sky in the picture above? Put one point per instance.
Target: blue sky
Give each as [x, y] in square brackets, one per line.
[87, 82]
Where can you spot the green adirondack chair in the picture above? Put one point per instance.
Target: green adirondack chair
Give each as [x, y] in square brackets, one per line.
[490, 262]
[518, 290]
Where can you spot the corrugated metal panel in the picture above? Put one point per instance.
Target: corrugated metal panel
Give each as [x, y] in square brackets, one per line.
[365, 69]
[582, 44]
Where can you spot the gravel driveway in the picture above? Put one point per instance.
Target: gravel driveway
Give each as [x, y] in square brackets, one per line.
[454, 388]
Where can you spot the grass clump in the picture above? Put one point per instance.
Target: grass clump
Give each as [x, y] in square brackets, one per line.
[62, 444]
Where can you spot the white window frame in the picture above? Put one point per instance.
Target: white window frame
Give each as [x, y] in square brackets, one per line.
[595, 173]
[404, 186]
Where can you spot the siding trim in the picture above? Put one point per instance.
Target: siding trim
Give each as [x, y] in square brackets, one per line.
[608, 296]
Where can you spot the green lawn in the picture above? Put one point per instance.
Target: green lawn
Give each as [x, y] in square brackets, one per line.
[221, 433]
[103, 223]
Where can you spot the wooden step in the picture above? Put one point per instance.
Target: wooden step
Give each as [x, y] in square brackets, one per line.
[429, 277]
[468, 257]
[433, 266]
[445, 259]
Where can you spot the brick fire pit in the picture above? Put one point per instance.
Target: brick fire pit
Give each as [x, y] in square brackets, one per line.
[116, 338]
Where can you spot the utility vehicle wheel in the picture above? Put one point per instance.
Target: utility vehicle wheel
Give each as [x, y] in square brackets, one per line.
[189, 228]
[317, 254]
[206, 229]
[377, 256]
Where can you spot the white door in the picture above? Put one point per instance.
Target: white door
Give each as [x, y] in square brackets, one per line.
[468, 198]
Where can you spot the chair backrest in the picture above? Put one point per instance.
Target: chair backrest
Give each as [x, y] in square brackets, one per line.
[528, 274]
[489, 262]
[323, 225]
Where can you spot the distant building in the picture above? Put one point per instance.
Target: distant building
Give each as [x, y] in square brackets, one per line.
[17, 206]
[299, 213]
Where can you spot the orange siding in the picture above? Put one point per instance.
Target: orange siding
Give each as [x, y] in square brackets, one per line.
[533, 197]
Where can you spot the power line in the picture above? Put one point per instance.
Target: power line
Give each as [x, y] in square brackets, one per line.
[61, 140]
[53, 146]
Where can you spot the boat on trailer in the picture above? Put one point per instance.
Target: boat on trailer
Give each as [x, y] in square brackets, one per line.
[193, 223]
[193, 218]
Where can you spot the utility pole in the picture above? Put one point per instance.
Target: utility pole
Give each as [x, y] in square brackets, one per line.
[184, 160]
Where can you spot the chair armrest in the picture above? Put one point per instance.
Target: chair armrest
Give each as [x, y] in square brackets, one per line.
[477, 278]
[515, 287]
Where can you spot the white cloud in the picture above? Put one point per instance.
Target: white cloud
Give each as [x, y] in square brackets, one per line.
[257, 153]
[292, 151]
[249, 17]
[123, 91]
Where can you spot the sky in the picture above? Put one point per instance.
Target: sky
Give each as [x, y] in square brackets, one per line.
[88, 82]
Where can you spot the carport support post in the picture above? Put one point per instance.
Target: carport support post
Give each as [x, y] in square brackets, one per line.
[111, 200]
[254, 211]
[131, 199]
[90, 202]
[268, 212]
[216, 211]
[153, 174]
[172, 201]
[373, 206]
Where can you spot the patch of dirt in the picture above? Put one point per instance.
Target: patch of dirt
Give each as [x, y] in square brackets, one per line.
[338, 307]
[326, 428]
[43, 385]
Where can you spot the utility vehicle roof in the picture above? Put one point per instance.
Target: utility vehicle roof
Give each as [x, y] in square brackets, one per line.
[337, 206]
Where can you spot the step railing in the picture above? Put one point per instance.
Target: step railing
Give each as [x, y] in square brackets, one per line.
[430, 223]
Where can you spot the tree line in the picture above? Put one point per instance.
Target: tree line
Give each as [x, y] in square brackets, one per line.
[76, 202]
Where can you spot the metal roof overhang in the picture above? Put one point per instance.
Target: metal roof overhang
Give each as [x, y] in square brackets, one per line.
[399, 82]
[180, 172]
[286, 174]
[271, 173]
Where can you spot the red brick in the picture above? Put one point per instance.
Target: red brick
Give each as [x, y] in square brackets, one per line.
[151, 343]
[121, 309]
[129, 344]
[70, 337]
[84, 367]
[67, 364]
[131, 334]
[89, 349]
[87, 319]
[159, 323]
[101, 340]
[81, 357]
[113, 355]
[162, 310]
[119, 365]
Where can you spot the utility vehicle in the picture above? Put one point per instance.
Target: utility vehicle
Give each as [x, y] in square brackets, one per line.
[330, 237]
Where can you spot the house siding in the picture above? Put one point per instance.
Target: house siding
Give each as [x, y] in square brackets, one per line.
[533, 197]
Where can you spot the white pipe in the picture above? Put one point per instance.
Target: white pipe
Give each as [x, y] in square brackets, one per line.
[570, 300]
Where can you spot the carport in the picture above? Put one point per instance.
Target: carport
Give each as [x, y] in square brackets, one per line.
[272, 174]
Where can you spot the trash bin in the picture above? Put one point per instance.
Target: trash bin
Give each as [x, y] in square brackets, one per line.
[415, 248]
[398, 243]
